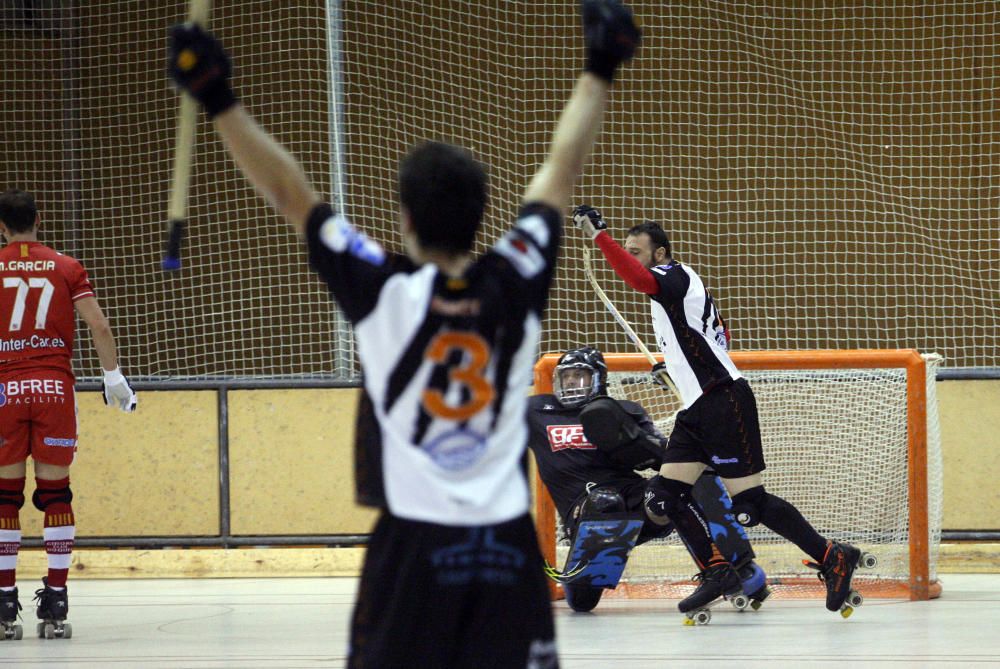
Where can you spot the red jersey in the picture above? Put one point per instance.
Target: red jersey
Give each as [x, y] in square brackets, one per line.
[38, 287]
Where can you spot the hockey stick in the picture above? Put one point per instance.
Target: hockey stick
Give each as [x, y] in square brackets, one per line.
[187, 119]
[589, 271]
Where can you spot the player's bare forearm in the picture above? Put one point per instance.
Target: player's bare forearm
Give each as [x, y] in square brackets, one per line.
[572, 142]
[100, 331]
[271, 169]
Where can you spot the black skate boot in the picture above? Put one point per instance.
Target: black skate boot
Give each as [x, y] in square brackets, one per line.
[9, 606]
[717, 580]
[836, 572]
[53, 605]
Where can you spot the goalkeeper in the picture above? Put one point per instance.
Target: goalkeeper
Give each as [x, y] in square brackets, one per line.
[718, 425]
[588, 448]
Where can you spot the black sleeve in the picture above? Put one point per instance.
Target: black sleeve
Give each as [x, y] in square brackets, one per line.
[353, 266]
[673, 281]
[526, 255]
[644, 421]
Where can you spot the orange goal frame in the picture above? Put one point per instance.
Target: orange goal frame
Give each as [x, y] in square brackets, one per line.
[920, 585]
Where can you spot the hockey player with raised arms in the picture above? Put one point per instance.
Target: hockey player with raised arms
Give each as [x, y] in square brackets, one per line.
[718, 424]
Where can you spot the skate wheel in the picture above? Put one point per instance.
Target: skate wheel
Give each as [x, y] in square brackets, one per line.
[867, 561]
[846, 611]
[854, 599]
[699, 617]
[740, 602]
[18, 632]
[49, 631]
[67, 631]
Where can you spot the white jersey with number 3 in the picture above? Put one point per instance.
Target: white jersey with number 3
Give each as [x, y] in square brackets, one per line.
[441, 435]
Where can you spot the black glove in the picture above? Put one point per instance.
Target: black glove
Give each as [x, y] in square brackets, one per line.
[589, 220]
[660, 376]
[610, 34]
[199, 65]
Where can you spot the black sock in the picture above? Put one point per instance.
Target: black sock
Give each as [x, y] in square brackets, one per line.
[784, 519]
[688, 519]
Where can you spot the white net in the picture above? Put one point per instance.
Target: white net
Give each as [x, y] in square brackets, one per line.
[836, 446]
[829, 169]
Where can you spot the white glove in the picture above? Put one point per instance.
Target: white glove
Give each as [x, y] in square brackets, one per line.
[117, 391]
[589, 220]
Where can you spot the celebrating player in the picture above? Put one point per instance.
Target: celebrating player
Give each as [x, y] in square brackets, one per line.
[718, 424]
[452, 575]
[39, 290]
[588, 448]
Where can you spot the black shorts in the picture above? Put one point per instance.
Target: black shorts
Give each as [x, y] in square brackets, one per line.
[438, 596]
[720, 429]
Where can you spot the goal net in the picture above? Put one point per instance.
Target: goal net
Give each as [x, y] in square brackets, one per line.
[851, 438]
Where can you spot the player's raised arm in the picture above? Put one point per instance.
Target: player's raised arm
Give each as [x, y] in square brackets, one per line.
[611, 38]
[627, 266]
[198, 64]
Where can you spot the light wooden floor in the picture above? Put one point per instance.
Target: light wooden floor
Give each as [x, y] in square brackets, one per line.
[291, 623]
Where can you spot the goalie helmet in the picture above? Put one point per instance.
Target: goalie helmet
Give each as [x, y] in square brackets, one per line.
[580, 375]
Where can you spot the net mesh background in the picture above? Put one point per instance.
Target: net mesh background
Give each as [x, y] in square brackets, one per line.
[830, 169]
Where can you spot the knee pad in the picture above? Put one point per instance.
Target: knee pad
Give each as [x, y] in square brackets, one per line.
[749, 506]
[12, 498]
[42, 499]
[600, 501]
[665, 498]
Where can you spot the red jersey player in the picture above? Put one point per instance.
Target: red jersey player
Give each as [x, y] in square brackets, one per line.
[39, 291]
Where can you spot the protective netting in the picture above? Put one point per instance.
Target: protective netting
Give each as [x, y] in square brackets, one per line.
[835, 443]
[830, 168]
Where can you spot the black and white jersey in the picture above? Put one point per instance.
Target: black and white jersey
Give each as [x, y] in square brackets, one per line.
[446, 363]
[690, 332]
[567, 462]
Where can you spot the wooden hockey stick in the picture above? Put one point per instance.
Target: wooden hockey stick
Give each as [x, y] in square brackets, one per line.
[187, 120]
[589, 271]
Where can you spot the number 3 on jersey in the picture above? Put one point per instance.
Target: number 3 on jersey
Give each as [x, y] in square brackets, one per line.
[475, 356]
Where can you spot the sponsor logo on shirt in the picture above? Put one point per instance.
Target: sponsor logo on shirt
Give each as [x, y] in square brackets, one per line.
[32, 391]
[340, 236]
[523, 255]
[457, 449]
[562, 437]
[34, 341]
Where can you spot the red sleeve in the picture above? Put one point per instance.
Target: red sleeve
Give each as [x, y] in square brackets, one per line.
[627, 267]
[78, 282]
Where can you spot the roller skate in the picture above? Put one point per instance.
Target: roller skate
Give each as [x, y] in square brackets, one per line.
[53, 605]
[719, 582]
[9, 606]
[755, 589]
[836, 572]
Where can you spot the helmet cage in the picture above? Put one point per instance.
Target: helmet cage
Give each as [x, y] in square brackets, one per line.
[574, 397]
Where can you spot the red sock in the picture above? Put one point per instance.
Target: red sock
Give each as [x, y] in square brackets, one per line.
[11, 500]
[60, 527]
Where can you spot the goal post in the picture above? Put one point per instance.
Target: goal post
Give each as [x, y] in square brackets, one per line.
[851, 437]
